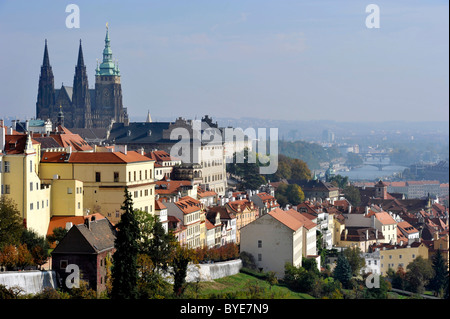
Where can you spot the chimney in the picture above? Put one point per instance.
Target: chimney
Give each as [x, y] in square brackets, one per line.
[2, 138]
[86, 222]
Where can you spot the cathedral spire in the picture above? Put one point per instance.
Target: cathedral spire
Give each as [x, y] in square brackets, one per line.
[107, 67]
[46, 60]
[81, 96]
[46, 92]
[80, 61]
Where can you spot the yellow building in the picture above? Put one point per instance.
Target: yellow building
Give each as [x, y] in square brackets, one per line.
[245, 212]
[102, 177]
[393, 256]
[387, 225]
[20, 180]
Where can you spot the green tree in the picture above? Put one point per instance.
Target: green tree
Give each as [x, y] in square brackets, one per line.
[124, 270]
[11, 224]
[339, 181]
[154, 240]
[37, 245]
[181, 257]
[353, 160]
[57, 234]
[355, 259]
[271, 278]
[438, 282]
[246, 166]
[419, 272]
[351, 193]
[343, 271]
[294, 194]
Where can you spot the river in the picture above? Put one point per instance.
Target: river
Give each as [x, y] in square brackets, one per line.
[371, 173]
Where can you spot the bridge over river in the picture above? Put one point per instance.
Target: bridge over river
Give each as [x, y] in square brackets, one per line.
[379, 160]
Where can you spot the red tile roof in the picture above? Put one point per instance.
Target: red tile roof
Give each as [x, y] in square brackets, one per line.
[95, 157]
[286, 219]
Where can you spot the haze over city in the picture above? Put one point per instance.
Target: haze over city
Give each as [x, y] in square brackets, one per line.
[296, 60]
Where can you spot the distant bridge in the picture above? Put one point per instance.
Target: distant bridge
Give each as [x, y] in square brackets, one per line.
[378, 160]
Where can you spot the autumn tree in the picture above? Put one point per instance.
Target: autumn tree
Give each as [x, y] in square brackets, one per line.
[11, 223]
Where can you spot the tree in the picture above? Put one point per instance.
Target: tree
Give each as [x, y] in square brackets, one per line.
[57, 235]
[295, 194]
[246, 166]
[351, 193]
[37, 245]
[339, 181]
[343, 271]
[353, 160]
[419, 272]
[438, 282]
[154, 240]
[124, 271]
[355, 259]
[289, 194]
[271, 278]
[181, 257]
[11, 224]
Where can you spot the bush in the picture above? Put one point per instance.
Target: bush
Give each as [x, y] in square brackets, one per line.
[223, 253]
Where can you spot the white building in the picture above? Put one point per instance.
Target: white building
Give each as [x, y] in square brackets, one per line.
[279, 237]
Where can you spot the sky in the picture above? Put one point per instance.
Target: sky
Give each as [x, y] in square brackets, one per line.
[277, 59]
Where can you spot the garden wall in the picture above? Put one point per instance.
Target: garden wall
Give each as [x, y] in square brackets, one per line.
[31, 282]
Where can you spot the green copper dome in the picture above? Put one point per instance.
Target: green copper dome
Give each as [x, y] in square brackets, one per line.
[107, 67]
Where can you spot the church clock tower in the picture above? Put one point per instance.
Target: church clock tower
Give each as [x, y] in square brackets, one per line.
[108, 90]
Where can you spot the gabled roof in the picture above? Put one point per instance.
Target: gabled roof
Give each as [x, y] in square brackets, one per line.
[307, 222]
[385, 218]
[406, 227]
[286, 219]
[90, 238]
[94, 157]
[188, 205]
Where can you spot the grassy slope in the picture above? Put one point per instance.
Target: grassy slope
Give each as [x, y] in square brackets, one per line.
[241, 283]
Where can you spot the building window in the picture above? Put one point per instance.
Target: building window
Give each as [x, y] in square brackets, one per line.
[63, 264]
[69, 190]
[116, 177]
[259, 243]
[31, 206]
[31, 186]
[98, 177]
[31, 166]
[259, 257]
[7, 167]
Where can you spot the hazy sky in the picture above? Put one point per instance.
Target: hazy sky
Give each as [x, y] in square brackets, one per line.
[281, 59]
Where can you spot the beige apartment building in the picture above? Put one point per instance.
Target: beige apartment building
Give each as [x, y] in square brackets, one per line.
[103, 177]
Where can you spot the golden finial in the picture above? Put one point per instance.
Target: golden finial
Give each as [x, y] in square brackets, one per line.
[106, 25]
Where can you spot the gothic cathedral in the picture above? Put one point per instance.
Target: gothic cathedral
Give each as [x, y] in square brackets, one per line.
[83, 107]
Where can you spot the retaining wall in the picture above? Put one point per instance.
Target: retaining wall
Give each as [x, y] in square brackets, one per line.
[31, 282]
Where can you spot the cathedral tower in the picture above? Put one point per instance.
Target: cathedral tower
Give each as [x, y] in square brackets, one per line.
[46, 92]
[108, 90]
[81, 100]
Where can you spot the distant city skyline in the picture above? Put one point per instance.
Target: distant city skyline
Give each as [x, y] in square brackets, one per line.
[291, 60]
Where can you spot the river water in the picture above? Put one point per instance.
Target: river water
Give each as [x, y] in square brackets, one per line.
[371, 173]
